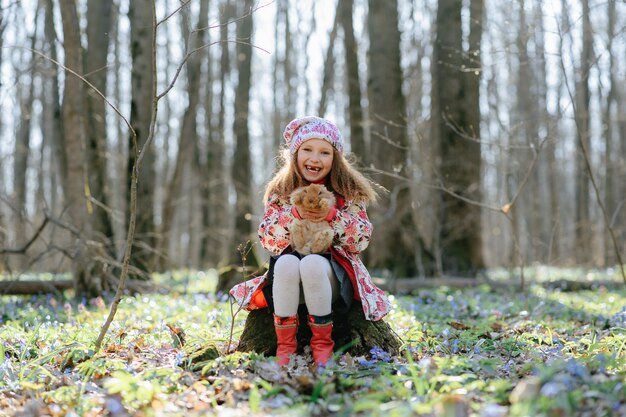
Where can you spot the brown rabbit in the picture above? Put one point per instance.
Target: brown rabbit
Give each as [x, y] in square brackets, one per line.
[308, 236]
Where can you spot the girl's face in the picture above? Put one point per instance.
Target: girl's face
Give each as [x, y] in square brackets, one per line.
[314, 159]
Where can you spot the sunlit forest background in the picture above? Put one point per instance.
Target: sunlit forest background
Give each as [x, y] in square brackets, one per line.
[498, 129]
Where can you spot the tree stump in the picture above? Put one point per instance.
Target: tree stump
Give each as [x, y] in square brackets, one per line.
[231, 275]
[351, 332]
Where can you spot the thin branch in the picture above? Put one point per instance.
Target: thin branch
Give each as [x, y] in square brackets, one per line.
[219, 25]
[27, 245]
[83, 79]
[166, 18]
[193, 51]
[244, 250]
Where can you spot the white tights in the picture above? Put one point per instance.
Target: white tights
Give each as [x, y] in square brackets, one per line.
[314, 275]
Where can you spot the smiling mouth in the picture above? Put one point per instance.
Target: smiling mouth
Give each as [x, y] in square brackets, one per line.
[313, 169]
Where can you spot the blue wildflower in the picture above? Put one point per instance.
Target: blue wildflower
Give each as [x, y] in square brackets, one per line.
[380, 355]
[179, 359]
[366, 363]
[601, 358]
[576, 369]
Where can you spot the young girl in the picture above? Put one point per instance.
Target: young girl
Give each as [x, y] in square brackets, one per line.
[328, 281]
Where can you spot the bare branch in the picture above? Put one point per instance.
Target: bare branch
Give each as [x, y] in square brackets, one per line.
[27, 245]
[83, 79]
[166, 18]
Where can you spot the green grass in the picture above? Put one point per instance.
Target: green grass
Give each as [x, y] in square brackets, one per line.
[497, 353]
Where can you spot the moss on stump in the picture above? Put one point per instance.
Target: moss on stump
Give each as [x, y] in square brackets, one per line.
[351, 332]
[199, 356]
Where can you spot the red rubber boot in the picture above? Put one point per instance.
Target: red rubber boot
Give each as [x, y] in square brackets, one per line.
[286, 331]
[322, 343]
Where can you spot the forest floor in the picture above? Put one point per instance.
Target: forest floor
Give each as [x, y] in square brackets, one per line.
[476, 351]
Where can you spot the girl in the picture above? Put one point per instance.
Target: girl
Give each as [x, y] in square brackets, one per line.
[328, 281]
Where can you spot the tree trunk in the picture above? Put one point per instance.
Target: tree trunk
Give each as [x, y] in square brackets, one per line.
[95, 61]
[351, 333]
[329, 66]
[545, 132]
[523, 211]
[583, 99]
[456, 129]
[610, 156]
[241, 174]
[471, 153]
[52, 115]
[188, 132]
[355, 111]
[207, 258]
[620, 222]
[291, 72]
[142, 19]
[560, 208]
[395, 238]
[22, 152]
[74, 131]
[220, 226]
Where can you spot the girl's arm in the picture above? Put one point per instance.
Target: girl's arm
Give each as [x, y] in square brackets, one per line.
[274, 228]
[352, 227]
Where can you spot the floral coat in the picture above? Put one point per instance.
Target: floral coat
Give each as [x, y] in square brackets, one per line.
[352, 235]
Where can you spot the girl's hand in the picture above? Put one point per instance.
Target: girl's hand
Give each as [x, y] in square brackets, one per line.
[313, 215]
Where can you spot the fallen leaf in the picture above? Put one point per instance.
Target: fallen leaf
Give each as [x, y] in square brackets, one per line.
[458, 325]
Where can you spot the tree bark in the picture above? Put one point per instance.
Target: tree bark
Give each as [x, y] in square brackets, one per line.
[582, 107]
[329, 66]
[456, 129]
[75, 138]
[545, 133]
[95, 63]
[143, 93]
[23, 287]
[611, 157]
[241, 170]
[523, 212]
[621, 162]
[472, 153]
[22, 151]
[355, 111]
[219, 226]
[97, 185]
[394, 240]
[207, 258]
[53, 123]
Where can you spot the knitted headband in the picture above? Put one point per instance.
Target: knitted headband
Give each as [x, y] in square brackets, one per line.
[311, 127]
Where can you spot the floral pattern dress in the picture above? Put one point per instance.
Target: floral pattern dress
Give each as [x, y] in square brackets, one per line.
[352, 235]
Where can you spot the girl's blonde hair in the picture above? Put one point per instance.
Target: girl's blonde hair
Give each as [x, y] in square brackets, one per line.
[344, 180]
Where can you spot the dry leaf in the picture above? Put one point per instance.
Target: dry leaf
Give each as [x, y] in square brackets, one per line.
[458, 325]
